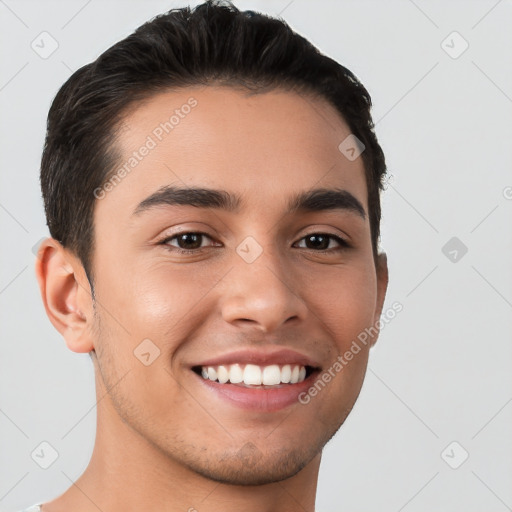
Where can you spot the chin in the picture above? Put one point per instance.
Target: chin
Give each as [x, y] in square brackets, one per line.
[249, 467]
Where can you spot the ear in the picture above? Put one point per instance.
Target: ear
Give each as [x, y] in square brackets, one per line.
[381, 266]
[66, 294]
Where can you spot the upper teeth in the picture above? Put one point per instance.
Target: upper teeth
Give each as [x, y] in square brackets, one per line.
[255, 375]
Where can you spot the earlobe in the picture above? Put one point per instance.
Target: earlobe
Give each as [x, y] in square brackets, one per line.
[382, 286]
[66, 294]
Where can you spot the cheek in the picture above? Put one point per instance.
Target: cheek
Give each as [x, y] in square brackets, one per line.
[145, 296]
[344, 300]
[163, 304]
[344, 303]
[165, 297]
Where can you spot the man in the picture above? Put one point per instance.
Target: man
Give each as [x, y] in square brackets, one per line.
[211, 186]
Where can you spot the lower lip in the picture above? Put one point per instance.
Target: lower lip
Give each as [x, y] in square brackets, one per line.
[260, 399]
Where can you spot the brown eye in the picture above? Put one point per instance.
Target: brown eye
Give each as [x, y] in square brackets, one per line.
[322, 241]
[188, 242]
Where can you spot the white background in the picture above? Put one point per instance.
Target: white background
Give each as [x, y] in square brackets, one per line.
[442, 369]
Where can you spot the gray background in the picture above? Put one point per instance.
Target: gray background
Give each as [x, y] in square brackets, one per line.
[441, 371]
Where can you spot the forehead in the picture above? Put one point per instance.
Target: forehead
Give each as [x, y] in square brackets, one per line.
[263, 147]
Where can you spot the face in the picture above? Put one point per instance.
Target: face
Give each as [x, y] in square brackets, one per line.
[272, 271]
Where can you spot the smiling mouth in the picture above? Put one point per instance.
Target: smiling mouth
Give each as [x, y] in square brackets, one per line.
[255, 376]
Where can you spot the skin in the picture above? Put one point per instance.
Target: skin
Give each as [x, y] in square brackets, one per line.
[163, 442]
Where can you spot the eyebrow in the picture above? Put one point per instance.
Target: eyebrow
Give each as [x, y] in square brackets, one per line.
[316, 200]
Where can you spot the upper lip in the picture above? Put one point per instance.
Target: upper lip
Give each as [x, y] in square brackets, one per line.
[262, 357]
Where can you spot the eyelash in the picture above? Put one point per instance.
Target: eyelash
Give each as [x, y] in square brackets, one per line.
[343, 243]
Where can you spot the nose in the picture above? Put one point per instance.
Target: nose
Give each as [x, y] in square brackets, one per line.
[263, 293]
